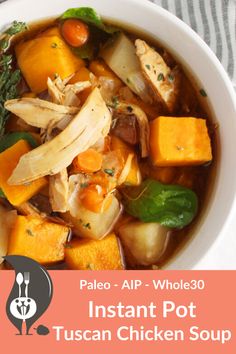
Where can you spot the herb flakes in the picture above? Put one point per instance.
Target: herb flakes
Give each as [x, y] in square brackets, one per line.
[115, 102]
[160, 77]
[29, 232]
[54, 45]
[110, 171]
[203, 92]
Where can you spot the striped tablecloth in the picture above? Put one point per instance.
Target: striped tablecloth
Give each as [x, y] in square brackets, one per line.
[214, 21]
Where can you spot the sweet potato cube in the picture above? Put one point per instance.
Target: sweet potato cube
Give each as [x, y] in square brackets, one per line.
[8, 162]
[38, 239]
[45, 56]
[178, 141]
[94, 254]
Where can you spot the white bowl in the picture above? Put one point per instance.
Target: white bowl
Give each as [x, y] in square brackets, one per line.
[196, 56]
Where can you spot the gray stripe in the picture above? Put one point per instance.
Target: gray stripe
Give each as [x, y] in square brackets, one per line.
[178, 9]
[164, 4]
[217, 30]
[207, 37]
[230, 67]
[192, 17]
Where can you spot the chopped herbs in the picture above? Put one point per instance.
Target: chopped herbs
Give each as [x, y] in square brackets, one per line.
[6, 36]
[115, 102]
[160, 77]
[67, 245]
[87, 226]
[15, 28]
[54, 45]
[203, 93]
[110, 172]
[128, 80]
[148, 66]
[179, 148]
[2, 195]
[84, 185]
[90, 266]
[171, 78]
[29, 232]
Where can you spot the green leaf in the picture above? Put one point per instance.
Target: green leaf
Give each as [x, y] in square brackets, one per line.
[10, 139]
[16, 27]
[170, 205]
[2, 195]
[86, 51]
[9, 78]
[89, 16]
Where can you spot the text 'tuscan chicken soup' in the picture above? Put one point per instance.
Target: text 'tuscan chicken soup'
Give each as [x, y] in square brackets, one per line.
[106, 152]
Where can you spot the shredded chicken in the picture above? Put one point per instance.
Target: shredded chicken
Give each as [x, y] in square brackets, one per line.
[126, 170]
[39, 113]
[87, 127]
[164, 82]
[132, 109]
[58, 191]
[66, 94]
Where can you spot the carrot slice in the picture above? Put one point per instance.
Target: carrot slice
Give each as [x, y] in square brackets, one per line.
[95, 198]
[88, 161]
[75, 32]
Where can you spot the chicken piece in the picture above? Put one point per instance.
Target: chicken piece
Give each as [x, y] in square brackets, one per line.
[66, 94]
[39, 113]
[87, 127]
[58, 191]
[164, 82]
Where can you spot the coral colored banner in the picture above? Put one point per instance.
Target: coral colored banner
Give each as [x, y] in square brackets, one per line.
[103, 312]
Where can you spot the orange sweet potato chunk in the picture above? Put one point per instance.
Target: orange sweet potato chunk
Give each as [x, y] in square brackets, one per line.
[38, 239]
[8, 162]
[45, 56]
[94, 254]
[176, 141]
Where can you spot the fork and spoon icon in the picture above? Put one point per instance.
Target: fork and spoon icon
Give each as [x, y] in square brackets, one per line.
[23, 307]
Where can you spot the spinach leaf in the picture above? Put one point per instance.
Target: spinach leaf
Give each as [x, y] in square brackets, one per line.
[89, 16]
[10, 139]
[171, 205]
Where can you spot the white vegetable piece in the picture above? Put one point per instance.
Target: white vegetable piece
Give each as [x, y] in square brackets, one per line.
[86, 223]
[120, 56]
[146, 242]
[89, 125]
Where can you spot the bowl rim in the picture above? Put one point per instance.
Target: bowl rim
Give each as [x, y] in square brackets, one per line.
[174, 263]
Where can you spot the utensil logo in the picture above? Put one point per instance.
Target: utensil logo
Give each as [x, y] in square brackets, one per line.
[30, 296]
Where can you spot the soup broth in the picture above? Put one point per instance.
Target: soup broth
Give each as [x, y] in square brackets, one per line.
[103, 185]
